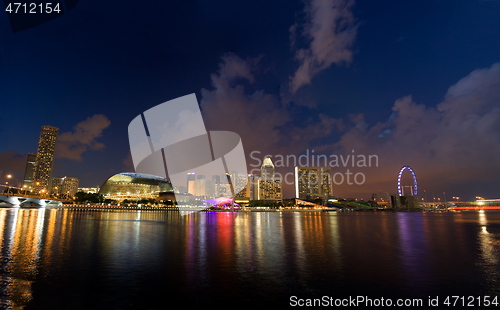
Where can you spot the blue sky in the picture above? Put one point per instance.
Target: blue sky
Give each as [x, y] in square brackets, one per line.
[102, 64]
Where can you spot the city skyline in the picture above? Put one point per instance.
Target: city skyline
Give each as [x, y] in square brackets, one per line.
[38, 178]
[255, 153]
[411, 83]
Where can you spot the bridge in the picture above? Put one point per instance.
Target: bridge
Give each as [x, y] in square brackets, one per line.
[481, 204]
[16, 200]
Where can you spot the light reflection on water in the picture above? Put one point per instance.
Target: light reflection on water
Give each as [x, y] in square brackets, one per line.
[56, 258]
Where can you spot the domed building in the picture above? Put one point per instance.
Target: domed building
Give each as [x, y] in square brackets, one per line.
[128, 185]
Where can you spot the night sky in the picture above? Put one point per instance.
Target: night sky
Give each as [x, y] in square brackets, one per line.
[416, 83]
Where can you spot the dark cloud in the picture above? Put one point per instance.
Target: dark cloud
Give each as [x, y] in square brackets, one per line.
[263, 122]
[255, 116]
[331, 31]
[84, 136]
[128, 164]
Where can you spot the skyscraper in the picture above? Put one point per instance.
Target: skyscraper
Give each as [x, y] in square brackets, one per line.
[56, 186]
[313, 182]
[69, 186]
[253, 182]
[190, 177]
[29, 172]
[270, 190]
[267, 170]
[64, 187]
[203, 188]
[269, 187]
[242, 184]
[45, 159]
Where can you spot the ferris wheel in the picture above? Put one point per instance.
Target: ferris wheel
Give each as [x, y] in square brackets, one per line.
[414, 180]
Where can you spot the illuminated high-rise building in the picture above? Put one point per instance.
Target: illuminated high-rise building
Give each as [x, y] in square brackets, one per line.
[190, 177]
[64, 187]
[268, 187]
[253, 182]
[267, 170]
[203, 188]
[69, 186]
[29, 172]
[270, 190]
[56, 186]
[242, 184]
[223, 186]
[216, 179]
[45, 159]
[313, 183]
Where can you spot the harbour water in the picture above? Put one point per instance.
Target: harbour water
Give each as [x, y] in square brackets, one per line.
[69, 259]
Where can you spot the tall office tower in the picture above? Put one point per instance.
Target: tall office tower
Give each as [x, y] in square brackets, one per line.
[313, 183]
[269, 188]
[326, 185]
[224, 190]
[30, 171]
[216, 179]
[253, 182]
[278, 193]
[267, 170]
[241, 183]
[190, 177]
[45, 159]
[203, 188]
[223, 186]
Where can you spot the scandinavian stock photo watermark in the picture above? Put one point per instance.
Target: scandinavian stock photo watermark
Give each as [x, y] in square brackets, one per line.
[326, 164]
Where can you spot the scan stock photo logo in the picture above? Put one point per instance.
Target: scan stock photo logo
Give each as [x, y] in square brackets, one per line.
[170, 140]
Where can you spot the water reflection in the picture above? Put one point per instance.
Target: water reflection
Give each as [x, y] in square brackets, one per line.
[489, 247]
[336, 255]
[55, 258]
[414, 255]
[21, 244]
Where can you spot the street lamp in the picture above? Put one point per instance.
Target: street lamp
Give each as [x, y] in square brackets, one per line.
[8, 188]
[9, 176]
